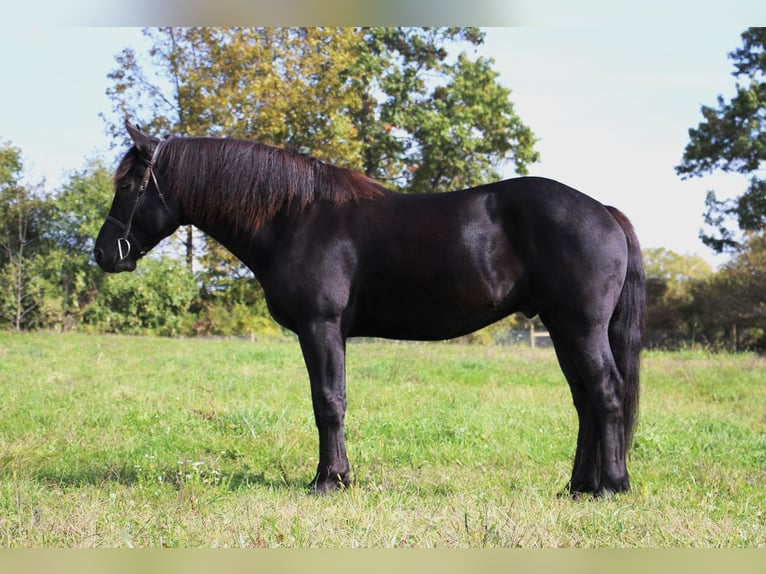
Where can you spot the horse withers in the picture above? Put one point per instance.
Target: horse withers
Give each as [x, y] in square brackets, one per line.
[339, 255]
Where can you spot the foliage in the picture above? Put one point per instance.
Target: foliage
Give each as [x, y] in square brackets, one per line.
[430, 121]
[77, 213]
[732, 303]
[11, 166]
[670, 279]
[235, 307]
[153, 299]
[732, 138]
[80, 206]
[23, 213]
[280, 86]
[112, 441]
[386, 101]
[688, 303]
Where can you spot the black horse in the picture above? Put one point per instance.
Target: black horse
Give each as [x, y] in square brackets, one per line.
[338, 255]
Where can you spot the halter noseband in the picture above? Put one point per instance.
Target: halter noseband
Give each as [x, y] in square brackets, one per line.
[124, 243]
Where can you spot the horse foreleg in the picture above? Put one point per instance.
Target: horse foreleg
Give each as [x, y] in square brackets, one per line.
[324, 350]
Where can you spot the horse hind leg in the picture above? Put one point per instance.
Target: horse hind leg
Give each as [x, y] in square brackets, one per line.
[586, 472]
[604, 387]
[597, 389]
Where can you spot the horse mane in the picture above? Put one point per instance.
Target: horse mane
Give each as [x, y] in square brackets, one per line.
[247, 184]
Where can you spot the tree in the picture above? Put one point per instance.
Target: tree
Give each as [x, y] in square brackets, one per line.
[675, 270]
[732, 138]
[670, 286]
[77, 214]
[352, 96]
[22, 215]
[467, 130]
[731, 305]
[429, 121]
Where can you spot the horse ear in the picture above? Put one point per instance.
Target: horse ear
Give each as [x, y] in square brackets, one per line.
[144, 143]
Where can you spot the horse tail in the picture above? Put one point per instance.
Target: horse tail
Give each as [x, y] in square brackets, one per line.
[626, 327]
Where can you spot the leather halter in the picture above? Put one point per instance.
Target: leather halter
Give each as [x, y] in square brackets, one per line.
[124, 244]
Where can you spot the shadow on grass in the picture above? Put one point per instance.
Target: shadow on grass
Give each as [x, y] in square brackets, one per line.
[92, 474]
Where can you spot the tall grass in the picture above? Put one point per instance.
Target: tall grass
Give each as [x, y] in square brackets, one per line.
[119, 441]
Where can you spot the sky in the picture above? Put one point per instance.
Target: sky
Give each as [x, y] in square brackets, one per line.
[611, 106]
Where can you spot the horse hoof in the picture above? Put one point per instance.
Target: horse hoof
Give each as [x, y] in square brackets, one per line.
[610, 489]
[582, 489]
[328, 485]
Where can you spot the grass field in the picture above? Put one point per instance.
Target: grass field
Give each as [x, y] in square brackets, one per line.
[146, 442]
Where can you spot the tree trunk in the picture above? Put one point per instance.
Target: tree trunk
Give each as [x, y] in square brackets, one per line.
[190, 247]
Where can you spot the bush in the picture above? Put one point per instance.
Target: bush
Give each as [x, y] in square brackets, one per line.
[219, 318]
[152, 300]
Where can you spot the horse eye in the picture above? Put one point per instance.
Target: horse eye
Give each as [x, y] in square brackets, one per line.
[124, 186]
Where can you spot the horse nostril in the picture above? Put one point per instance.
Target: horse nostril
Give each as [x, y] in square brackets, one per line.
[98, 254]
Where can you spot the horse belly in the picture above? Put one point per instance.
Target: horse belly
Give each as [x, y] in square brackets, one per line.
[432, 306]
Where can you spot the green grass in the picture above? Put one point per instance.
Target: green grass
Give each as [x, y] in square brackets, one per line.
[146, 442]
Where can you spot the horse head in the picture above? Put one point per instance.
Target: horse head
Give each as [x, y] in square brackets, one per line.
[140, 215]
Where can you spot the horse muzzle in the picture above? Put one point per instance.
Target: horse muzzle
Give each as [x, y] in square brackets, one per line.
[113, 264]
